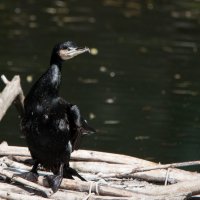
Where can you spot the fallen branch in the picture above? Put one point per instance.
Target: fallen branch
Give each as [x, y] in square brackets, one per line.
[96, 156]
[109, 170]
[72, 184]
[6, 150]
[175, 191]
[12, 92]
[166, 166]
[15, 196]
[186, 188]
[96, 188]
[10, 175]
[81, 155]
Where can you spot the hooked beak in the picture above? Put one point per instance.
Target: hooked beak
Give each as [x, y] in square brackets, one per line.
[66, 54]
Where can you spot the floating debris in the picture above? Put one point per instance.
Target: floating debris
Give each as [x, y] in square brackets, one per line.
[94, 51]
[167, 49]
[150, 6]
[103, 69]
[186, 92]
[33, 25]
[51, 10]
[88, 80]
[184, 84]
[2, 6]
[9, 63]
[142, 137]
[163, 92]
[17, 10]
[147, 108]
[92, 116]
[29, 78]
[69, 19]
[143, 50]
[60, 3]
[112, 74]
[177, 76]
[112, 122]
[110, 100]
[32, 17]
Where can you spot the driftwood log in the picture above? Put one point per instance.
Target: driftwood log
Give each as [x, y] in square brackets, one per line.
[112, 176]
[144, 170]
[11, 93]
[108, 189]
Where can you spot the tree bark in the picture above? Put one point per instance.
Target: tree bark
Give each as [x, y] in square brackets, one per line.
[12, 92]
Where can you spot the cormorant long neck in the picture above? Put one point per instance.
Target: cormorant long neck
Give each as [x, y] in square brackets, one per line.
[47, 87]
[53, 74]
[53, 78]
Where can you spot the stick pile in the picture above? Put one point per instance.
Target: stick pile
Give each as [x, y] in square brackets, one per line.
[110, 176]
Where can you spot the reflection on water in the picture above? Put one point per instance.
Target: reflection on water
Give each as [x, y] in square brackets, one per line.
[140, 86]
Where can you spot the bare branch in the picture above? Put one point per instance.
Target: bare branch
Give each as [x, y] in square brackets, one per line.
[10, 175]
[11, 93]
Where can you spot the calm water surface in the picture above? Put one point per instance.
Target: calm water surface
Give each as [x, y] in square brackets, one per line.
[139, 88]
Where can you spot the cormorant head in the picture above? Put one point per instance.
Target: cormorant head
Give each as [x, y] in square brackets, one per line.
[67, 50]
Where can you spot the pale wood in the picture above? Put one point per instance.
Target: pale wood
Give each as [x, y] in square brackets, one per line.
[11, 93]
[176, 191]
[72, 184]
[108, 170]
[95, 156]
[10, 175]
[15, 196]
[6, 150]
[103, 170]
[186, 188]
[166, 166]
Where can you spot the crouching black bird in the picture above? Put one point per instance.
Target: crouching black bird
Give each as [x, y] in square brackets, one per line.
[52, 126]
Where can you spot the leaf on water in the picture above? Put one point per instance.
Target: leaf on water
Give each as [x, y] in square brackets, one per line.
[177, 76]
[69, 19]
[88, 80]
[60, 3]
[94, 51]
[17, 10]
[51, 10]
[29, 78]
[143, 50]
[111, 122]
[92, 115]
[110, 100]
[33, 25]
[9, 63]
[147, 108]
[103, 69]
[32, 17]
[142, 137]
[184, 84]
[185, 92]
[112, 74]
[167, 49]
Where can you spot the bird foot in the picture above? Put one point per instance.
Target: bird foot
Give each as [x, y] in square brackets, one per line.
[30, 176]
[54, 181]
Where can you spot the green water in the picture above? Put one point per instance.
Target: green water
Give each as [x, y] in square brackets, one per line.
[139, 89]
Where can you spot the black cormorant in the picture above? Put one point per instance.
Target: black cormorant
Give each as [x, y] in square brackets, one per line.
[53, 126]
